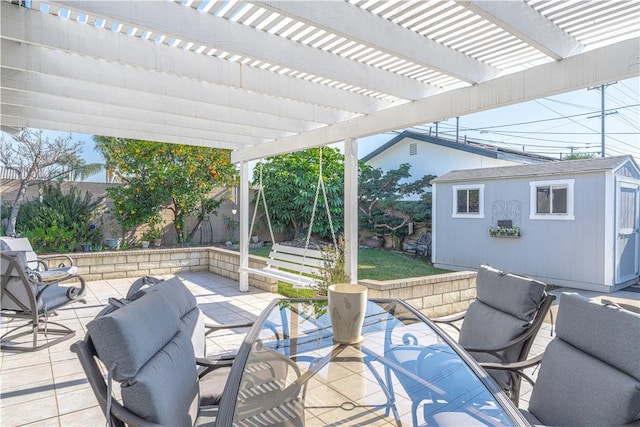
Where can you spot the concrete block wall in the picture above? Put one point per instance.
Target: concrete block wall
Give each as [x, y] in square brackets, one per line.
[137, 263]
[435, 296]
[226, 263]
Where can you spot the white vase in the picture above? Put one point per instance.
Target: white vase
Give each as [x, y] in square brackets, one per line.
[347, 306]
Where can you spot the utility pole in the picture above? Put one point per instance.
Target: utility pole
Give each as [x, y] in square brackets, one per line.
[601, 88]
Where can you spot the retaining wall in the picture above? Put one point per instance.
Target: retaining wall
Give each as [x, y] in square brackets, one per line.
[437, 295]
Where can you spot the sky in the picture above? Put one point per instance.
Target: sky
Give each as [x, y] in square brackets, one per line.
[553, 126]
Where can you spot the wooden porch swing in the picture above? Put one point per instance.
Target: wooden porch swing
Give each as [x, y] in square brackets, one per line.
[302, 267]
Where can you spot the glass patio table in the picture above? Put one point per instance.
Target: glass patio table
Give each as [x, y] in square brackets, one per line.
[406, 371]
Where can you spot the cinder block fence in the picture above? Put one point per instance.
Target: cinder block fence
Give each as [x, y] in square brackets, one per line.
[437, 295]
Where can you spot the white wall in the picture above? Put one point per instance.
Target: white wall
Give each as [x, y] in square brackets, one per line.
[432, 159]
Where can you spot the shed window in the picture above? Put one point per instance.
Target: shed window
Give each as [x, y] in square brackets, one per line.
[552, 199]
[468, 201]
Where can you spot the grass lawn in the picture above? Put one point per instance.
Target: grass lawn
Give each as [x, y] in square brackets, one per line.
[375, 264]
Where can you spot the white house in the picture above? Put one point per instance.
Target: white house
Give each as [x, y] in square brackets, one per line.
[429, 155]
[572, 223]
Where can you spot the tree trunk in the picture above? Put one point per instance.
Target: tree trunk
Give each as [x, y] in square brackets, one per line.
[15, 208]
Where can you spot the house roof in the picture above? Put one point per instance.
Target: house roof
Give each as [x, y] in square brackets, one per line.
[469, 147]
[566, 167]
[268, 77]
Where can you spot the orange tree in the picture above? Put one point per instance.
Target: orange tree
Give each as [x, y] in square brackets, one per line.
[156, 176]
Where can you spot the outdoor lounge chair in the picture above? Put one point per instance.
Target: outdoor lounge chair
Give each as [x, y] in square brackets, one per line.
[30, 294]
[590, 372]
[502, 323]
[144, 346]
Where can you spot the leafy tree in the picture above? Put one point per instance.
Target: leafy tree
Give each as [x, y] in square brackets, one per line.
[157, 175]
[35, 159]
[381, 195]
[290, 182]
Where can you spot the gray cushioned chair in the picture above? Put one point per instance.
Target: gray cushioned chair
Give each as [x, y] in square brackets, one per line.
[145, 347]
[590, 372]
[194, 325]
[502, 323]
[28, 294]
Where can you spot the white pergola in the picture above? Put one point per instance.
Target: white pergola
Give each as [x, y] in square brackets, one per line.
[264, 78]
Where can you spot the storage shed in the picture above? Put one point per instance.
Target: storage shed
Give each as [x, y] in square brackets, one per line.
[569, 223]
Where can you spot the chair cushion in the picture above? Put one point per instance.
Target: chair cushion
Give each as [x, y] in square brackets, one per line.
[54, 297]
[612, 336]
[574, 388]
[57, 273]
[486, 327]
[516, 295]
[23, 245]
[165, 390]
[212, 386]
[129, 338]
[185, 304]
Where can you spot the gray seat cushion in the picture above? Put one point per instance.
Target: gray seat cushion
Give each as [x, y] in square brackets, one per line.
[588, 372]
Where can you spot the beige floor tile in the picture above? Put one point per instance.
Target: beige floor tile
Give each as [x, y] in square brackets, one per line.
[32, 411]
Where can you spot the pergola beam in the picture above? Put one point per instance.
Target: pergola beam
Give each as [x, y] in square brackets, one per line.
[223, 34]
[124, 115]
[614, 62]
[157, 59]
[527, 24]
[355, 24]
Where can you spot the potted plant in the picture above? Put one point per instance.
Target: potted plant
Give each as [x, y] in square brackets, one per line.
[153, 235]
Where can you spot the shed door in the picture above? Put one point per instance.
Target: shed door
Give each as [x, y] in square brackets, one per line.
[627, 231]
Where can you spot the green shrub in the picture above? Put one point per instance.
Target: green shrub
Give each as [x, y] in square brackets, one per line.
[59, 222]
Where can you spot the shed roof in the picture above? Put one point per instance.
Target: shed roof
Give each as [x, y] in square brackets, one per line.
[267, 77]
[469, 146]
[566, 167]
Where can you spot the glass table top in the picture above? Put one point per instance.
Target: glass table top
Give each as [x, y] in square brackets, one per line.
[406, 371]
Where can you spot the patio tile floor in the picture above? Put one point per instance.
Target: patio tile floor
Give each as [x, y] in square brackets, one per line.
[49, 388]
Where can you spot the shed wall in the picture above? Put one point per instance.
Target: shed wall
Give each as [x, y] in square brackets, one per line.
[561, 252]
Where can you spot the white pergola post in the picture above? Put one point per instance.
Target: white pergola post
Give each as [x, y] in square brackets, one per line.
[351, 207]
[244, 226]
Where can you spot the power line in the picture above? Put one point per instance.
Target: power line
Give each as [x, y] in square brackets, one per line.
[545, 120]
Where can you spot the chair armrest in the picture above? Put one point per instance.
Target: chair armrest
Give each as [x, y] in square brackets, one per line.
[72, 292]
[45, 260]
[206, 365]
[449, 320]
[515, 367]
[211, 328]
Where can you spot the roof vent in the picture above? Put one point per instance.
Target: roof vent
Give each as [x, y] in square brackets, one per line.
[413, 149]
